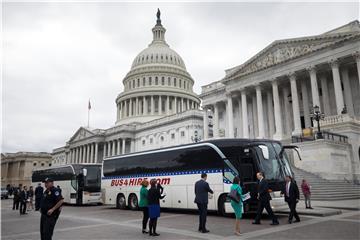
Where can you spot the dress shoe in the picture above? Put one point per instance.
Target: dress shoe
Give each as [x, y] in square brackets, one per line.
[205, 231]
[257, 223]
[290, 221]
[155, 234]
[144, 232]
[310, 208]
[297, 220]
[274, 223]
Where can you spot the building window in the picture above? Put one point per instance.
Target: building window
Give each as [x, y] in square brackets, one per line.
[143, 142]
[169, 81]
[162, 138]
[182, 134]
[174, 82]
[150, 81]
[138, 82]
[34, 164]
[143, 82]
[49, 164]
[173, 136]
[156, 81]
[180, 83]
[162, 81]
[151, 140]
[42, 164]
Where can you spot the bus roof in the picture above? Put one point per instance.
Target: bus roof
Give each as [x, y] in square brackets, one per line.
[224, 142]
[73, 165]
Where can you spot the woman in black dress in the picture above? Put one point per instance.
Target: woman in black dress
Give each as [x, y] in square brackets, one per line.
[154, 197]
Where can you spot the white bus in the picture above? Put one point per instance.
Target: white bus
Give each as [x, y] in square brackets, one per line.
[178, 168]
[80, 183]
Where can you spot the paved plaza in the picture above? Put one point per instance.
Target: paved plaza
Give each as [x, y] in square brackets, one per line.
[104, 222]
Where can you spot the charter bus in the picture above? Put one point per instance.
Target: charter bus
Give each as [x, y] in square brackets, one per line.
[178, 168]
[80, 183]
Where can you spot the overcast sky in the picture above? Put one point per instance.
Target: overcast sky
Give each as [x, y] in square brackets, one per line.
[58, 55]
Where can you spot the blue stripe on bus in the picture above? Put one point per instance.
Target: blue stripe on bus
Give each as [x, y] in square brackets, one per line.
[165, 174]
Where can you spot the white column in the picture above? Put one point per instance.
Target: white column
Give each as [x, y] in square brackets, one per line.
[216, 121]
[325, 95]
[81, 154]
[159, 106]
[244, 114]
[92, 148]
[118, 146]
[230, 116]
[113, 148]
[152, 105]
[357, 59]
[125, 109]
[167, 105]
[254, 116]
[145, 107]
[260, 112]
[175, 105]
[347, 90]
[105, 150]
[96, 152]
[314, 86]
[206, 124]
[136, 106]
[131, 108]
[132, 145]
[188, 104]
[270, 113]
[305, 101]
[120, 110]
[182, 104]
[123, 145]
[296, 106]
[87, 160]
[287, 106]
[240, 123]
[109, 149]
[277, 113]
[337, 86]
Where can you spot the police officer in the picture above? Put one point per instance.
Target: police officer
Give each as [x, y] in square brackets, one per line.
[50, 209]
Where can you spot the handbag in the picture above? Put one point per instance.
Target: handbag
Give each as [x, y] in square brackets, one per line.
[234, 195]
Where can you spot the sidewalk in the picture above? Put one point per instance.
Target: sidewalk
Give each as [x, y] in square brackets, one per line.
[325, 208]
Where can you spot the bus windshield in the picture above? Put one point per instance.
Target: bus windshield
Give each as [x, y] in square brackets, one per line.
[92, 181]
[273, 167]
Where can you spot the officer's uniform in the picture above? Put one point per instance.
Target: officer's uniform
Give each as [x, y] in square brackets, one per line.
[47, 223]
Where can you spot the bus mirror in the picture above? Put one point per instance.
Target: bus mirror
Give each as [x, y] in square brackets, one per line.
[84, 172]
[296, 148]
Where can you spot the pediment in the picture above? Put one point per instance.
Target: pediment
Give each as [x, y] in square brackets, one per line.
[81, 133]
[284, 50]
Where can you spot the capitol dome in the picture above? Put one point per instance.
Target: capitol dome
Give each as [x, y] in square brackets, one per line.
[157, 84]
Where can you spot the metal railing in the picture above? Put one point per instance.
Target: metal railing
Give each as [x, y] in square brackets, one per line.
[335, 137]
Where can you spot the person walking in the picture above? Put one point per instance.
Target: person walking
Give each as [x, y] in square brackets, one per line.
[50, 209]
[305, 188]
[237, 204]
[16, 198]
[39, 190]
[23, 200]
[291, 196]
[153, 198]
[264, 200]
[143, 204]
[202, 189]
[31, 198]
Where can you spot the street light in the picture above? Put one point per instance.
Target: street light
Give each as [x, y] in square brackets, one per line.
[317, 115]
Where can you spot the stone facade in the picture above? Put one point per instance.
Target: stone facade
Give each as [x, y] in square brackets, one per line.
[157, 108]
[16, 168]
[272, 95]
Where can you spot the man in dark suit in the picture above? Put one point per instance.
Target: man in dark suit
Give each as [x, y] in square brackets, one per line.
[39, 191]
[264, 200]
[201, 199]
[23, 200]
[292, 196]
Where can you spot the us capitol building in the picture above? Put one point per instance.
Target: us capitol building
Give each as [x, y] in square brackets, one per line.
[272, 95]
[157, 108]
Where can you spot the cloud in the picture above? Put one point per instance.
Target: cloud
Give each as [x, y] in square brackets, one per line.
[58, 55]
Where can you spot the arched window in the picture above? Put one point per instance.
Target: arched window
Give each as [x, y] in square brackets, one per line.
[174, 82]
[143, 82]
[169, 81]
[162, 80]
[180, 83]
[156, 81]
[150, 81]
[133, 83]
[138, 82]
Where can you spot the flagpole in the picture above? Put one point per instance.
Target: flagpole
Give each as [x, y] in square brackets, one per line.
[89, 107]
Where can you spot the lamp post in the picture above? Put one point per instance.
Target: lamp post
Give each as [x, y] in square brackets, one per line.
[317, 115]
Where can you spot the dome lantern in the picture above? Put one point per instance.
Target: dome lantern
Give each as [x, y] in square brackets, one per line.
[158, 32]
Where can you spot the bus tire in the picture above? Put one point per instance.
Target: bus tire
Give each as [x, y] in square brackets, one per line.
[133, 202]
[221, 205]
[121, 201]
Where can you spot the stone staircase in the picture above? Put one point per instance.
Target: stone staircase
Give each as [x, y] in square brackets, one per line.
[326, 190]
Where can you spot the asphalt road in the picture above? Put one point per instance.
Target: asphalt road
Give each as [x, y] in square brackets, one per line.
[105, 222]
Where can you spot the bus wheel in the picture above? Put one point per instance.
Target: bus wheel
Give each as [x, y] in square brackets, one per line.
[120, 201]
[221, 205]
[133, 202]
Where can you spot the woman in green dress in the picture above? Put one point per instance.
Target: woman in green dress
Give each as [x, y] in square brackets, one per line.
[143, 204]
[237, 206]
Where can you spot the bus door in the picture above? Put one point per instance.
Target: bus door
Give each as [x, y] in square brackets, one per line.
[80, 189]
